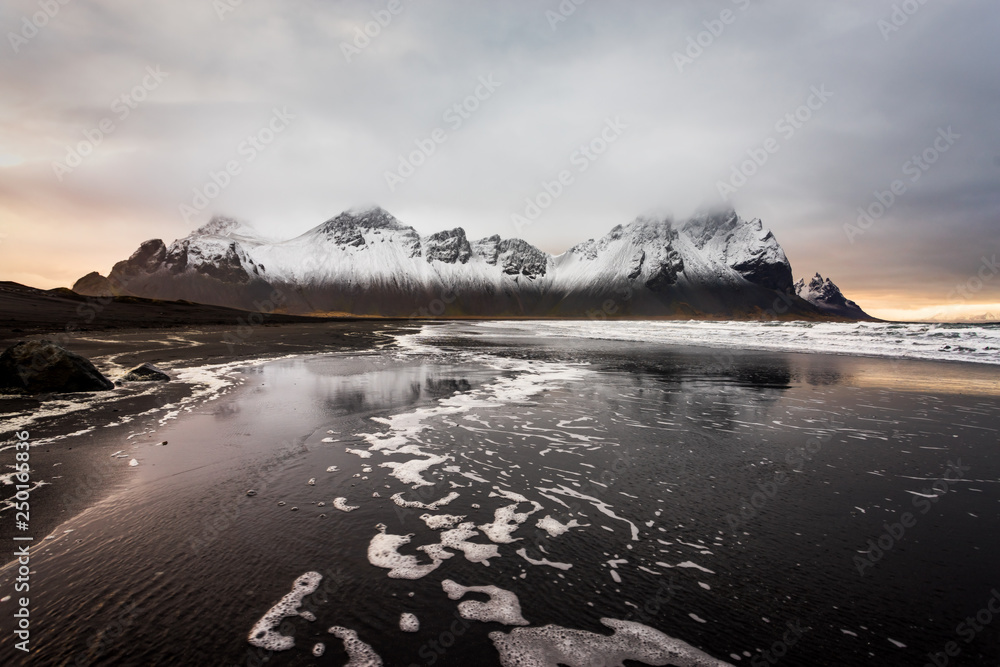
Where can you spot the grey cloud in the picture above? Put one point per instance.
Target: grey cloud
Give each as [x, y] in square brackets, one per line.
[685, 129]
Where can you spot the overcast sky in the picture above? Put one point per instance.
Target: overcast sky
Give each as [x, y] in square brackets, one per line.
[332, 111]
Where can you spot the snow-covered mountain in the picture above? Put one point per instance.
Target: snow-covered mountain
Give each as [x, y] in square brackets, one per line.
[822, 293]
[366, 262]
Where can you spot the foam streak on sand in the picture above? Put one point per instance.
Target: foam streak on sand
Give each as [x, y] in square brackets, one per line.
[409, 622]
[507, 519]
[341, 504]
[383, 551]
[264, 633]
[554, 528]
[410, 472]
[416, 504]
[439, 521]
[523, 553]
[503, 606]
[403, 434]
[457, 539]
[359, 653]
[694, 566]
[531, 379]
[552, 645]
[601, 506]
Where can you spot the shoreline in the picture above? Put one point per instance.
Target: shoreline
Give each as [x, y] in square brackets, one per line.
[78, 440]
[74, 435]
[185, 505]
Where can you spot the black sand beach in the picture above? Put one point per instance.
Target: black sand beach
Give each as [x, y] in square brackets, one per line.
[715, 496]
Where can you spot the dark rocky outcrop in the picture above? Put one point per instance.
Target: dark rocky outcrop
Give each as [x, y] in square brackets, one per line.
[42, 366]
[451, 247]
[146, 373]
[148, 258]
[520, 257]
[93, 284]
[350, 228]
[825, 295]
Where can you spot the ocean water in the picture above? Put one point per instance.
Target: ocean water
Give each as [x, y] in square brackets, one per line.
[978, 343]
[493, 493]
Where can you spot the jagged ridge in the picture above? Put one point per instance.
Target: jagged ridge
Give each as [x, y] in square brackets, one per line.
[365, 261]
[822, 293]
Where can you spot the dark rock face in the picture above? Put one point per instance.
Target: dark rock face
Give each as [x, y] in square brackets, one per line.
[635, 265]
[225, 266]
[42, 366]
[766, 273]
[93, 284]
[373, 218]
[348, 229]
[146, 259]
[451, 247]
[666, 275]
[146, 373]
[520, 257]
[348, 237]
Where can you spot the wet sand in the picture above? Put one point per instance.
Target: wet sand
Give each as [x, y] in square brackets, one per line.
[78, 468]
[179, 563]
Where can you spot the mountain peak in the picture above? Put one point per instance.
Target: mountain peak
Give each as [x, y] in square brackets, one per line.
[221, 225]
[825, 295]
[357, 227]
[449, 246]
[365, 217]
[707, 226]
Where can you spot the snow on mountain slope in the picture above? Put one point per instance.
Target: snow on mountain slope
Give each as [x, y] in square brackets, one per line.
[211, 265]
[641, 253]
[744, 246]
[229, 228]
[365, 261]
